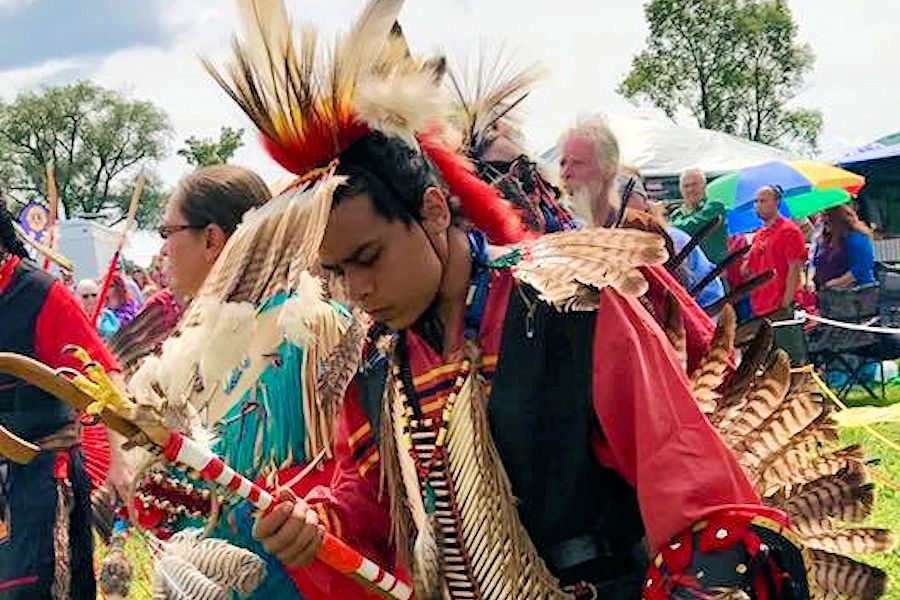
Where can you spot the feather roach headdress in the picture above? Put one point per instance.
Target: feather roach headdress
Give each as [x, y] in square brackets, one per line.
[311, 103]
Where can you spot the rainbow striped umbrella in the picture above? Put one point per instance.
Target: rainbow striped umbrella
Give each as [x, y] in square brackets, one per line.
[796, 178]
[809, 188]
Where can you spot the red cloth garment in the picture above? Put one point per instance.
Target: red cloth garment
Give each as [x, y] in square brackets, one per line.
[774, 248]
[699, 328]
[653, 433]
[61, 322]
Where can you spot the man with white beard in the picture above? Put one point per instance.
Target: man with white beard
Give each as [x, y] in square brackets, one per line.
[588, 167]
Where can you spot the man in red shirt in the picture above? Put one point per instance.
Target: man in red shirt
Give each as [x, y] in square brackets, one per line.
[779, 247]
[45, 515]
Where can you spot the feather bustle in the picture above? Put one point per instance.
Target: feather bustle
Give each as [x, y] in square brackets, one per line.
[838, 576]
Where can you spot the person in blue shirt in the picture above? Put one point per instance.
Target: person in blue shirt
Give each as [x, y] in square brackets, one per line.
[845, 255]
[695, 268]
[87, 291]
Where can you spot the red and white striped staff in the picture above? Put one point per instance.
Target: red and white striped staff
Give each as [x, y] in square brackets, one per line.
[333, 552]
[95, 393]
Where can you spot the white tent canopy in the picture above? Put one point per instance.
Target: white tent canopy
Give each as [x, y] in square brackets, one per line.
[662, 149]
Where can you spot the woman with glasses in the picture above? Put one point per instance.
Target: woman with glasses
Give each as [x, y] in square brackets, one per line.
[253, 391]
[201, 215]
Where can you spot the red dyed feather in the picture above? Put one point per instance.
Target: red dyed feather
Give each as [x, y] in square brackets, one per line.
[320, 144]
[481, 203]
[95, 447]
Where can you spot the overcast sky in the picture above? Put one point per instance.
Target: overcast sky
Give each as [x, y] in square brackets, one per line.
[149, 49]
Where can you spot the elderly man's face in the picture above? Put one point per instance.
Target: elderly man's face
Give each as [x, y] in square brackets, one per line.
[693, 189]
[578, 166]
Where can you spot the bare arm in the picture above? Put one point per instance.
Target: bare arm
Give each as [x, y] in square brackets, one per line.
[792, 283]
[845, 280]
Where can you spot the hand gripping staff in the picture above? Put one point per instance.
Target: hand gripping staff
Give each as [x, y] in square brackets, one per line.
[95, 394]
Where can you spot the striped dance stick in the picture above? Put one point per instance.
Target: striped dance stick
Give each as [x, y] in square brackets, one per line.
[333, 552]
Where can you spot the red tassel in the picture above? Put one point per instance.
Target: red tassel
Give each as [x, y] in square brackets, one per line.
[481, 203]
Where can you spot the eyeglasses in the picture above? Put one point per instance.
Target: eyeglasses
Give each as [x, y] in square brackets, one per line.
[165, 231]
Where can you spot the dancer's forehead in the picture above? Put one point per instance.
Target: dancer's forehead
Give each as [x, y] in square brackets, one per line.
[355, 228]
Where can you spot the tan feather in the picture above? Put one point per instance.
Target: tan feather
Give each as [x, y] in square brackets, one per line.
[267, 34]
[806, 465]
[343, 362]
[757, 404]
[844, 496]
[558, 265]
[709, 376]
[362, 47]
[777, 431]
[841, 576]
[753, 360]
[858, 540]
[673, 326]
[795, 455]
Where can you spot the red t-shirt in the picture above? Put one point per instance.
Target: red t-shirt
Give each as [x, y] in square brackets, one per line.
[774, 248]
[61, 322]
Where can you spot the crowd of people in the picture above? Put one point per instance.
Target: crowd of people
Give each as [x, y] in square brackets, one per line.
[368, 346]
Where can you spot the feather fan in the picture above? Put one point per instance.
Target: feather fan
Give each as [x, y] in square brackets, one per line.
[559, 265]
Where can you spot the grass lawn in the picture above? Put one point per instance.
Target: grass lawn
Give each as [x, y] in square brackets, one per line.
[887, 479]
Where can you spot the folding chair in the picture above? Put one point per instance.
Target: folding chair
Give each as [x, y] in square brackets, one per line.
[847, 350]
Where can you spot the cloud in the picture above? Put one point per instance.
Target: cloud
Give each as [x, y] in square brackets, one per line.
[51, 72]
[32, 32]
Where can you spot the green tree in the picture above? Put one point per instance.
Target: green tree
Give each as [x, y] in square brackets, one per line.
[733, 65]
[96, 139]
[152, 205]
[208, 151]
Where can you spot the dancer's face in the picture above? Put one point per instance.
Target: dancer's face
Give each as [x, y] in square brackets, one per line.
[389, 268]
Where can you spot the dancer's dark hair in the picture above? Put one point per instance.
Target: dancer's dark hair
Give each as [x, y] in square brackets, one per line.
[8, 238]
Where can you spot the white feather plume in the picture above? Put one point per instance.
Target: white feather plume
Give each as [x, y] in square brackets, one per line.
[402, 103]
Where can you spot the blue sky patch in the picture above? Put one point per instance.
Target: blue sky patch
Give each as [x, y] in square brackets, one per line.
[32, 32]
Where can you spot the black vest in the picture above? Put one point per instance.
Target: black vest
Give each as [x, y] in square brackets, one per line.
[25, 410]
[542, 419]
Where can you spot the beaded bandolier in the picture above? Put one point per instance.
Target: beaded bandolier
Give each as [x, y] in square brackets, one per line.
[461, 500]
